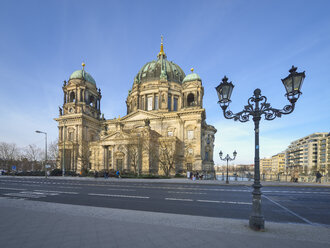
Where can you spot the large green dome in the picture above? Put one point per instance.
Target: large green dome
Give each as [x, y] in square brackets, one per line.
[82, 74]
[151, 71]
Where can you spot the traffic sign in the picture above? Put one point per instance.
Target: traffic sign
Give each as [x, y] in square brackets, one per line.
[13, 167]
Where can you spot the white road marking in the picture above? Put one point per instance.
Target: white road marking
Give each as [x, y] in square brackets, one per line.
[208, 201]
[123, 196]
[67, 187]
[12, 188]
[182, 192]
[59, 192]
[289, 211]
[227, 202]
[178, 199]
[122, 189]
[30, 194]
[297, 192]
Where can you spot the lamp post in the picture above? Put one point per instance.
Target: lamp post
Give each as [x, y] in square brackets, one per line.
[258, 106]
[63, 153]
[45, 150]
[227, 158]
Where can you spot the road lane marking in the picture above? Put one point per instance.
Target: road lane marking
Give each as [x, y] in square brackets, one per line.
[226, 202]
[178, 199]
[30, 194]
[208, 201]
[297, 192]
[182, 192]
[12, 188]
[123, 196]
[122, 189]
[67, 187]
[54, 191]
[289, 211]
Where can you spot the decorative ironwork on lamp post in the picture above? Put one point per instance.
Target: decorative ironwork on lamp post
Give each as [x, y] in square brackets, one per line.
[257, 107]
[227, 158]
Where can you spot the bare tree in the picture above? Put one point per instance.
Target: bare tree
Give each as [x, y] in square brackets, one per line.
[53, 153]
[84, 156]
[34, 154]
[8, 153]
[168, 155]
[134, 154]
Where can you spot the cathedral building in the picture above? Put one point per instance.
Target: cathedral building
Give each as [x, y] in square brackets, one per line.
[164, 131]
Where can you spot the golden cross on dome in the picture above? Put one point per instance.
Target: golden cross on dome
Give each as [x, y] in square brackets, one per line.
[192, 70]
[83, 65]
[161, 47]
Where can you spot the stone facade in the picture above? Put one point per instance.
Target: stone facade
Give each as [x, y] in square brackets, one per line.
[164, 131]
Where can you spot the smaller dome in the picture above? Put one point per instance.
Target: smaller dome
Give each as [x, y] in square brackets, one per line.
[82, 74]
[191, 77]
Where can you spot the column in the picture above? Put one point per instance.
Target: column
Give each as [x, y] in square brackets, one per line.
[60, 137]
[153, 101]
[112, 156]
[71, 159]
[104, 158]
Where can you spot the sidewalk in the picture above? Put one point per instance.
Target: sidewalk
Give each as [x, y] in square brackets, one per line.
[41, 224]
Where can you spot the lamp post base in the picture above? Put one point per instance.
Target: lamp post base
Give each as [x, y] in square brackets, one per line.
[257, 223]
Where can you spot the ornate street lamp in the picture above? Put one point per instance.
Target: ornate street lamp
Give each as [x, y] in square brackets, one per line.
[227, 158]
[258, 106]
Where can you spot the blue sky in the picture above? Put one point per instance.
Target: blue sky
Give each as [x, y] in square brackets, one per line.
[254, 43]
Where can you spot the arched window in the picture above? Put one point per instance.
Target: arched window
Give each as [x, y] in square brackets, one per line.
[72, 96]
[91, 101]
[191, 100]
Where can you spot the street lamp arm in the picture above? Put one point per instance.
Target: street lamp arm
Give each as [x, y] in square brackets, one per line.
[257, 106]
[227, 158]
[242, 116]
[271, 113]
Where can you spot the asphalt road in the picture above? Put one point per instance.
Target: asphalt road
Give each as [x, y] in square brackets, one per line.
[308, 205]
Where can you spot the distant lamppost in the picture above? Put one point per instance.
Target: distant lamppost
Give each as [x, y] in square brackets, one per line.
[63, 152]
[258, 106]
[45, 150]
[227, 158]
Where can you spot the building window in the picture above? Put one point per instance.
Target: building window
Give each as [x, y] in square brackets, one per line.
[207, 156]
[169, 102]
[191, 100]
[175, 104]
[156, 102]
[189, 167]
[142, 103]
[169, 133]
[72, 96]
[71, 136]
[190, 134]
[149, 103]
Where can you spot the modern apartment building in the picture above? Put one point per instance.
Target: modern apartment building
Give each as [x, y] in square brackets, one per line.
[323, 156]
[265, 165]
[303, 154]
[278, 163]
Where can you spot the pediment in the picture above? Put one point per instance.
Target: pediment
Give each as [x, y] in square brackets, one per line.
[116, 135]
[140, 115]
